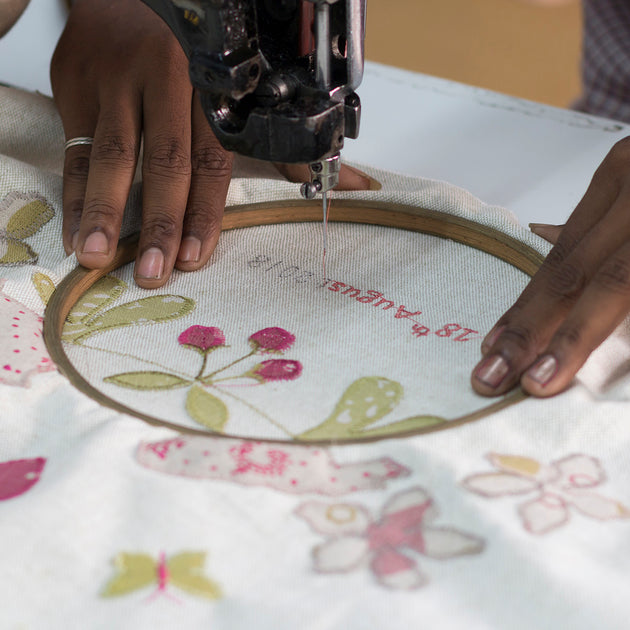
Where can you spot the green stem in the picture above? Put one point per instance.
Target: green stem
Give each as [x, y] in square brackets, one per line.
[203, 365]
[170, 370]
[259, 412]
[208, 378]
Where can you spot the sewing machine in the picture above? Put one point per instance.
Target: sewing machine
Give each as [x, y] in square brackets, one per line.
[276, 77]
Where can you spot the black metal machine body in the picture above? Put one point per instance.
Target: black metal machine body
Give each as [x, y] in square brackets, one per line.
[276, 77]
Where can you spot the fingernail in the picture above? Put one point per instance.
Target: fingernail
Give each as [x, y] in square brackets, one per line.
[151, 265]
[491, 337]
[96, 243]
[492, 371]
[374, 184]
[189, 250]
[543, 370]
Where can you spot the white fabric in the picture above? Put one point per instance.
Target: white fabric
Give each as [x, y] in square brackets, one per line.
[544, 543]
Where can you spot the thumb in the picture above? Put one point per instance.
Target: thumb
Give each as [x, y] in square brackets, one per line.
[547, 231]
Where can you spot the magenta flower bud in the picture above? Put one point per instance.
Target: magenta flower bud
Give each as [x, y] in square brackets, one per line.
[276, 370]
[202, 338]
[271, 340]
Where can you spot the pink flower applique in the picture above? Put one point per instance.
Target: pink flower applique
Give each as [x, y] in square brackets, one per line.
[202, 338]
[271, 340]
[18, 476]
[290, 468]
[23, 351]
[390, 544]
[563, 484]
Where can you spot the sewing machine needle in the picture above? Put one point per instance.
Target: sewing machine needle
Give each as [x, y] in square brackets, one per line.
[325, 226]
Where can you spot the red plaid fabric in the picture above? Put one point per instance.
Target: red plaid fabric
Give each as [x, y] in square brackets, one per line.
[606, 59]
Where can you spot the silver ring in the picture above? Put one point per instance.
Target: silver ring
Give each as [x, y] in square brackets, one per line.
[75, 142]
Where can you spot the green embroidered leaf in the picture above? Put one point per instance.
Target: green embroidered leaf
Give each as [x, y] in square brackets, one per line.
[43, 285]
[186, 572]
[366, 401]
[408, 424]
[147, 380]
[150, 310]
[206, 409]
[26, 220]
[17, 253]
[135, 571]
[96, 299]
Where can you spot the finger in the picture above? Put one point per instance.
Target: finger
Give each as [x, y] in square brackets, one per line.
[76, 168]
[350, 178]
[79, 120]
[111, 168]
[601, 308]
[211, 171]
[522, 333]
[166, 175]
[550, 233]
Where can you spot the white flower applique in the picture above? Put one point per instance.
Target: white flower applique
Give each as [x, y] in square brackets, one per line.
[557, 488]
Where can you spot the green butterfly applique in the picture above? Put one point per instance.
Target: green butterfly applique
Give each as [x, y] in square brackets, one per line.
[183, 570]
[21, 216]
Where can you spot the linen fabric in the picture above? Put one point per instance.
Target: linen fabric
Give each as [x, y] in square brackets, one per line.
[519, 520]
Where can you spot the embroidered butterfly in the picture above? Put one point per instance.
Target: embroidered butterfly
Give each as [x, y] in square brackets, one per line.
[183, 570]
[21, 215]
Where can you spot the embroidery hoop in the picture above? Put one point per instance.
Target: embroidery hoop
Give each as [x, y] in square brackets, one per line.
[387, 214]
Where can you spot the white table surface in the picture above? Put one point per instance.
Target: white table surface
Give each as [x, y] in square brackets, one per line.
[533, 159]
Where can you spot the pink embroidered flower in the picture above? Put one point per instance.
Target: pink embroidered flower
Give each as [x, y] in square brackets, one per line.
[563, 484]
[271, 340]
[405, 526]
[276, 370]
[202, 338]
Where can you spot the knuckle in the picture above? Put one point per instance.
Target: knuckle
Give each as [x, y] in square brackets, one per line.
[614, 276]
[99, 212]
[160, 226]
[568, 336]
[212, 161]
[560, 251]
[167, 158]
[520, 336]
[77, 167]
[114, 148]
[203, 220]
[567, 281]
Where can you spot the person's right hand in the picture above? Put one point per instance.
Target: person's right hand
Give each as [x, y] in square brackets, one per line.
[578, 297]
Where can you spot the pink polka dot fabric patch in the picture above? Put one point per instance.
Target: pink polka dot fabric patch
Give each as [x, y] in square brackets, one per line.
[23, 352]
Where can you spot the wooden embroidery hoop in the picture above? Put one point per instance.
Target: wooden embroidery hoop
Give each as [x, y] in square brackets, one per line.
[385, 214]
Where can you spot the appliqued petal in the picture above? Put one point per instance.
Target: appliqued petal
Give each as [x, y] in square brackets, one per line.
[340, 555]
[580, 471]
[596, 506]
[402, 501]
[544, 514]
[397, 571]
[496, 484]
[448, 542]
[336, 519]
[516, 464]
